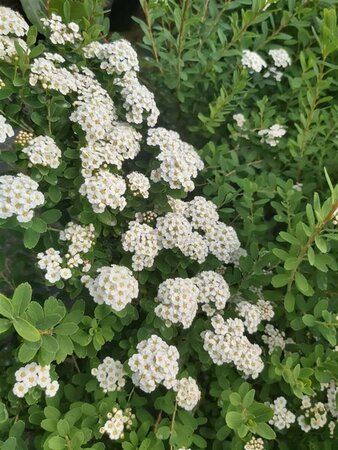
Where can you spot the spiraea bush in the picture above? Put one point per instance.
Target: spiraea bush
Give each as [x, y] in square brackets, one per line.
[168, 260]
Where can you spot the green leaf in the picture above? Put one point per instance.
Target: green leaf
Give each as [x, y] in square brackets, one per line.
[301, 283]
[280, 280]
[311, 256]
[261, 413]
[21, 298]
[57, 443]
[321, 244]
[50, 344]
[289, 238]
[163, 433]
[63, 427]
[289, 302]
[34, 10]
[31, 238]
[265, 431]
[3, 413]
[309, 320]
[9, 444]
[28, 350]
[249, 398]
[51, 216]
[66, 329]
[26, 330]
[235, 398]
[54, 194]
[5, 325]
[234, 420]
[6, 308]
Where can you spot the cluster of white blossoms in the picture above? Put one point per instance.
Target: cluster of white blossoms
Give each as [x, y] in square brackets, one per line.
[272, 135]
[227, 344]
[33, 375]
[117, 57]
[179, 161]
[187, 393]
[43, 150]
[239, 119]
[8, 51]
[51, 261]
[139, 184]
[202, 213]
[172, 229]
[254, 314]
[213, 291]
[110, 375]
[11, 22]
[103, 189]
[46, 71]
[114, 286]
[282, 417]
[81, 238]
[6, 129]
[253, 61]
[142, 240]
[274, 338]
[19, 196]
[223, 242]
[314, 416]
[117, 421]
[155, 363]
[254, 444]
[178, 301]
[120, 144]
[194, 247]
[281, 59]
[137, 100]
[332, 392]
[61, 33]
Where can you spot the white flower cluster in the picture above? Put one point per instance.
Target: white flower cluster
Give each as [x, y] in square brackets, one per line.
[138, 100]
[43, 150]
[11, 22]
[187, 393]
[172, 229]
[51, 261]
[282, 417]
[253, 61]
[114, 286]
[139, 184]
[239, 119]
[81, 238]
[213, 291]
[61, 33]
[280, 59]
[155, 363]
[227, 344]
[8, 50]
[180, 162]
[103, 189]
[120, 144]
[314, 417]
[178, 298]
[33, 375]
[110, 375]
[254, 314]
[46, 71]
[274, 338]
[117, 421]
[194, 247]
[19, 196]
[143, 241]
[254, 444]
[117, 57]
[6, 130]
[223, 242]
[332, 392]
[146, 217]
[272, 135]
[202, 213]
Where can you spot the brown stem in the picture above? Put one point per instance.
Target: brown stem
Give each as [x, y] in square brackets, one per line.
[150, 31]
[158, 420]
[180, 40]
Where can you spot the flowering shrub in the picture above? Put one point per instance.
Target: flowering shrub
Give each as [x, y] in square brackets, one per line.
[162, 318]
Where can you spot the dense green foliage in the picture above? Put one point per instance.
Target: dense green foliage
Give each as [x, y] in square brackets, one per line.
[281, 200]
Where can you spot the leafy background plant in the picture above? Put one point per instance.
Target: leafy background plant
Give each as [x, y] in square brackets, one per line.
[191, 53]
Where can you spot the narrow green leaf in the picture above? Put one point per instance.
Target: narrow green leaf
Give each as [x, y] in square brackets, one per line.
[6, 307]
[21, 298]
[26, 330]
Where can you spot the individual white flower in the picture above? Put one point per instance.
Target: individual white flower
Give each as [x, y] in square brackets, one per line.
[187, 393]
[43, 150]
[178, 301]
[52, 388]
[114, 286]
[253, 61]
[19, 196]
[155, 363]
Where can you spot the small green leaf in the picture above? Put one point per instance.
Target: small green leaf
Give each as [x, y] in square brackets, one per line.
[26, 330]
[301, 283]
[5, 325]
[265, 431]
[289, 302]
[280, 280]
[3, 413]
[234, 420]
[28, 350]
[309, 320]
[6, 307]
[163, 433]
[66, 329]
[31, 238]
[21, 298]
[249, 398]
